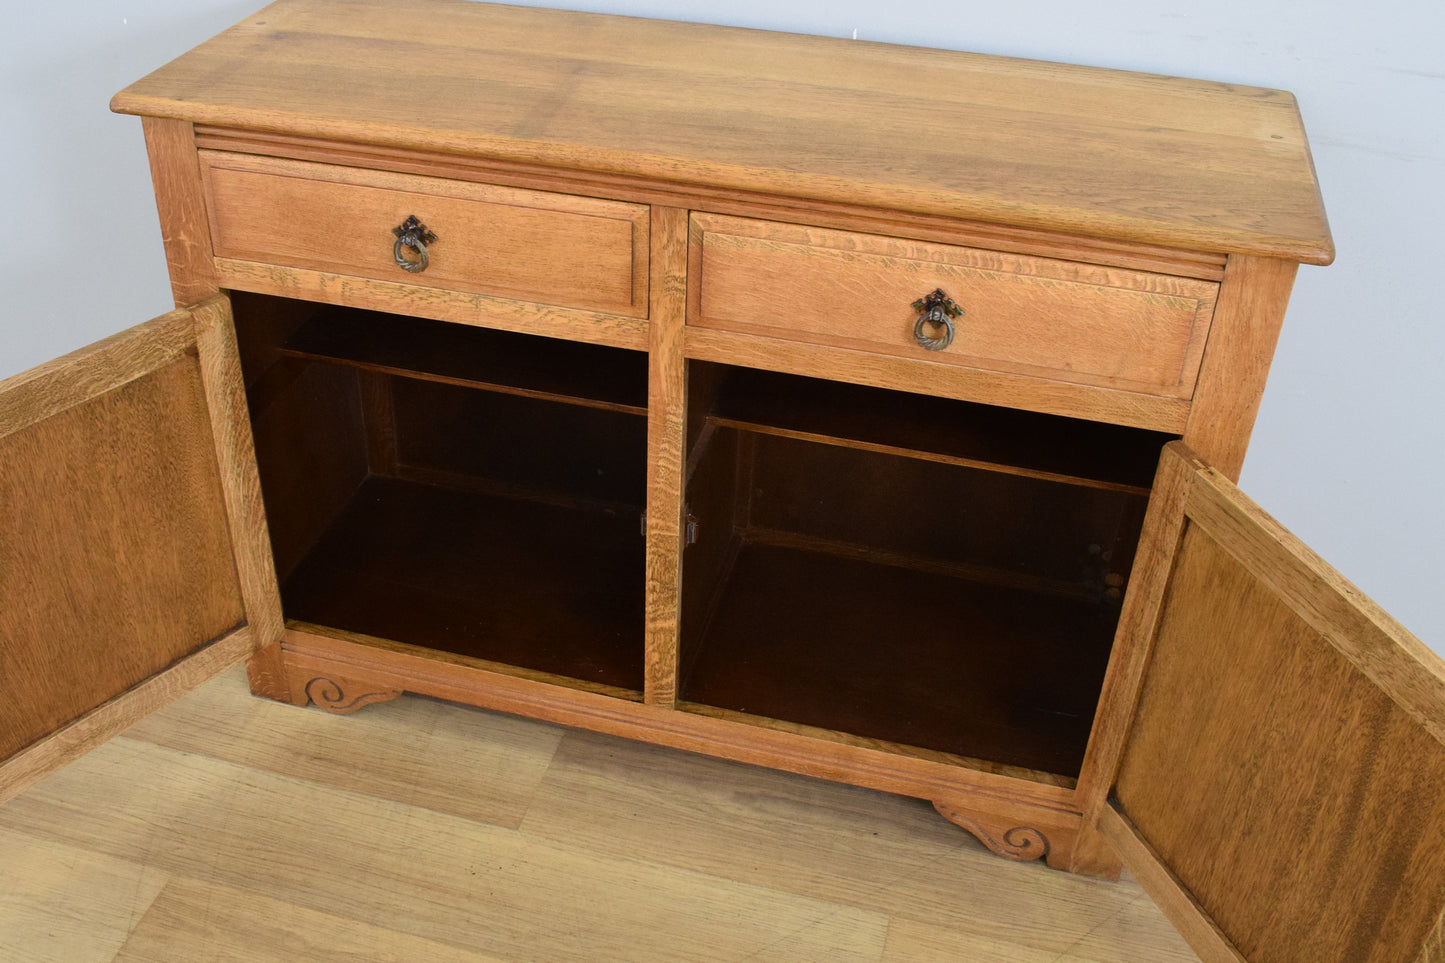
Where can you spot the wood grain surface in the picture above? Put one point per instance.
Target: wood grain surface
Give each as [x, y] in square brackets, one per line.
[1122, 204]
[225, 392]
[666, 454]
[1187, 164]
[879, 765]
[181, 204]
[1171, 895]
[75, 739]
[839, 215]
[467, 356]
[461, 307]
[231, 828]
[911, 425]
[1163, 522]
[1247, 322]
[1051, 319]
[229, 925]
[925, 376]
[1286, 762]
[115, 553]
[537, 246]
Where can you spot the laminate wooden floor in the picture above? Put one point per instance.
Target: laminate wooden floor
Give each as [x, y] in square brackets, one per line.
[231, 828]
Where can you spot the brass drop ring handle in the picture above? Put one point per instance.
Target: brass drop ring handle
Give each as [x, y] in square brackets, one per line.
[414, 235]
[936, 311]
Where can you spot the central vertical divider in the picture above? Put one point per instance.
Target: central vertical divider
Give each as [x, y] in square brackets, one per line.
[666, 456]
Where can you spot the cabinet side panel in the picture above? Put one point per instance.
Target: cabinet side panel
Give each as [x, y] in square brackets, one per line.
[115, 559]
[1300, 805]
[176, 175]
[311, 453]
[1247, 320]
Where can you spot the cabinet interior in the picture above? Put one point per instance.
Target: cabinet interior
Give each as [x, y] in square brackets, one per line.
[915, 570]
[471, 491]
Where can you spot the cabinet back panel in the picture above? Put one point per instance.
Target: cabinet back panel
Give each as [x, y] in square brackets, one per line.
[941, 429]
[950, 614]
[524, 583]
[115, 558]
[478, 357]
[1022, 527]
[532, 446]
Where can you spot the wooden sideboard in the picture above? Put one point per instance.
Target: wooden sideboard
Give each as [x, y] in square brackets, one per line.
[791, 400]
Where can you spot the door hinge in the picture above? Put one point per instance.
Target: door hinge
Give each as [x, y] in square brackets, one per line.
[689, 534]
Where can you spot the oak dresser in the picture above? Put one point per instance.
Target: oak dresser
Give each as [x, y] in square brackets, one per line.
[864, 411]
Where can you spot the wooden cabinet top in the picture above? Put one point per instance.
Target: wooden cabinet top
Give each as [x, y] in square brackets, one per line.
[1138, 158]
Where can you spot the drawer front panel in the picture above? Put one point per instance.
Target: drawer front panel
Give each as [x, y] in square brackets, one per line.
[1041, 317]
[555, 249]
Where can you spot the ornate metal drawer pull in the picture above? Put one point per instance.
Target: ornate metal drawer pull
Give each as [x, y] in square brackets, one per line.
[935, 311]
[412, 234]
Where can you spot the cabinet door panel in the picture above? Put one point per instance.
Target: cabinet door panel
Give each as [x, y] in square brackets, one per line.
[1283, 782]
[116, 558]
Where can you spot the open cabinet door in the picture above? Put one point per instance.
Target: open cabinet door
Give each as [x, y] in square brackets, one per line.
[132, 541]
[1280, 783]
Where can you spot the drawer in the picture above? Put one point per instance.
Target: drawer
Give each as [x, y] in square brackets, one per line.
[535, 246]
[1039, 317]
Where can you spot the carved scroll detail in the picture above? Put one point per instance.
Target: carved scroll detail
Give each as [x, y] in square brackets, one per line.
[1021, 843]
[341, 697]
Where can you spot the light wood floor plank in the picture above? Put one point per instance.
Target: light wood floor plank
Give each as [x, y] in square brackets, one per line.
[1137, 932]
[416, 871]
[911, 941]
[280, 833]
[479, 765]
[192, 921]
[881, 853]
[61, 904]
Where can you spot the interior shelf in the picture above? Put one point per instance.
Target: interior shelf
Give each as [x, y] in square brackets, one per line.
[569, 372]
[908, 657]
[939, 429]
[464, 490]
[907, 570]
[542, 586]
[915, 571]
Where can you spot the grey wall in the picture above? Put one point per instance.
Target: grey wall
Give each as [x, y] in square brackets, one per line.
[1348, 448]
